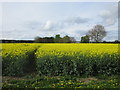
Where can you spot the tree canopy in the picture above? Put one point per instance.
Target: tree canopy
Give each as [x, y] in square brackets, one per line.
[97, 33]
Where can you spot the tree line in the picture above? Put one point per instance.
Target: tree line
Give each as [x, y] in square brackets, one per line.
[57, 39]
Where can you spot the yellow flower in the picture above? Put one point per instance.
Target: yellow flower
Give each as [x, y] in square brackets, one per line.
[98, 86]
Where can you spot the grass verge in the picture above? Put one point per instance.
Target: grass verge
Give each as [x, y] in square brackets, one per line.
[34, 81]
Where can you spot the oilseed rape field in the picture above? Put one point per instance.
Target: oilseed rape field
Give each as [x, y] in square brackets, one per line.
[49, 60]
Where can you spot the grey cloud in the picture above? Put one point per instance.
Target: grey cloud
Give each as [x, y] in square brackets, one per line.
[112, 35]
[111, 38]
[54, 25]
[76, 20]
[81, 32]
[32, 24]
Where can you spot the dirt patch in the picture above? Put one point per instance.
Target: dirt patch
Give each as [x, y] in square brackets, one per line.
[87, 80]
[8, 78]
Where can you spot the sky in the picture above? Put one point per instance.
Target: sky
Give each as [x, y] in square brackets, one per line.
[26, 20]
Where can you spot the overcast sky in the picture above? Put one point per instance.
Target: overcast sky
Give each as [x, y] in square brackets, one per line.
[28, 20]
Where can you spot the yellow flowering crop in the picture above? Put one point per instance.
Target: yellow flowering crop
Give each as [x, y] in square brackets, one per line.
[73, 49]
[15, 57]
[77, 58]
[60, 58]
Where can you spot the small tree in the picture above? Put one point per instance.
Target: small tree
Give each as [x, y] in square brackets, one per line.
[97, 33]
[85, 39]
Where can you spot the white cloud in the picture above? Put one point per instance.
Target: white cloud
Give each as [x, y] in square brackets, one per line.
[61, 24]
[48, 25]
[109, 15]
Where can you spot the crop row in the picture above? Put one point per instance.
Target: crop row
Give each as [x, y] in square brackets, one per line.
[16, 59]
[78, 59]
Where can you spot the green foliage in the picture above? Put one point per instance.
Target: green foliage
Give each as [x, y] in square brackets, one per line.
[57, 39]
[78, 65]
[66, 39]
[116, 41]
[44, 40]
[85, 39]
[18, 61]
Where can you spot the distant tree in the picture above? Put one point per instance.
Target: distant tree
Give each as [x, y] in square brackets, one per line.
[48, 39]
[85, 39]
[66, 39]
[97, 33]
[116, 41]
[37, 39]
[72, 39]
[104, 41]
[57, 38]
[51, 39]
[44, 40]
